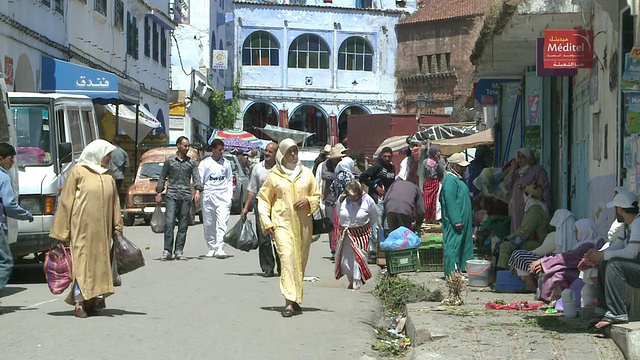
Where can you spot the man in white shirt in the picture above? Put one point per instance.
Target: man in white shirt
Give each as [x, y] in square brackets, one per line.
[619, 265]
[217, 182]
[259, 174]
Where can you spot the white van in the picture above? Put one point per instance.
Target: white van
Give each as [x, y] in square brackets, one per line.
[52, 130]
[8, 135]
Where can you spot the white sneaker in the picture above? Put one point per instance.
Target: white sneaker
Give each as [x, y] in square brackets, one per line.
[211, 254]
[220, 254]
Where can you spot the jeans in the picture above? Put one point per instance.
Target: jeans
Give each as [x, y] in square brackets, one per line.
[176, 209]
[375, 229]
[6, 259]
[613, 276]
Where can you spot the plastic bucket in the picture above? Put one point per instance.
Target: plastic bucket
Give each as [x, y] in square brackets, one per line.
[478, 272]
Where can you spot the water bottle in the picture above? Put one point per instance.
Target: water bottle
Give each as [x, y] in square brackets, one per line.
[569, 303]
[588, 294]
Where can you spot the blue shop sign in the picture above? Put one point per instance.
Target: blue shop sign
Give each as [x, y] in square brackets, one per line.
[487, 90]
[103, 87]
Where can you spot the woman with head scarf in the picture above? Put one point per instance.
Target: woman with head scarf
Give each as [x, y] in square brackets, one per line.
[286, 203]
[345, 172]
[562, 269]
[433, 174]
[559, 241]
[533, 229]
[523, 171]
[87, 214]
[357, 211]
[457, 217]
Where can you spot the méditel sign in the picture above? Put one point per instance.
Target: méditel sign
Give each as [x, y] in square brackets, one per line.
[568, 49]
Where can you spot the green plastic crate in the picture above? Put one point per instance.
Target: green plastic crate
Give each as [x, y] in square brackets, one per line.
[399, 261]
[431, 259]
[431, 241]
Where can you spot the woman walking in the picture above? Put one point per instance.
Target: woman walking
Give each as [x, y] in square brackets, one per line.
[357, 211]
[286, 202]
[87, 214]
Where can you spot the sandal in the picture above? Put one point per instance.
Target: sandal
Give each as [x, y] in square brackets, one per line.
[297, 309]
[287, 313]
[596, 319]
[607, 322]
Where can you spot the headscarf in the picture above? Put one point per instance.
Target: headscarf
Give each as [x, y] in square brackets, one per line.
[530, 155]
[93, 154]
[587, 232]
[290, 169]
[565, 223]
[433, 150]
[346, 164]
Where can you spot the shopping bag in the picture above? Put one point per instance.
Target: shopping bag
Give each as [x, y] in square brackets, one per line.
[233, 235]
[58, 269]
[324, 225]
[400, 239]
[117, 280]
[247, 240]
[127, 255]
[157, 220]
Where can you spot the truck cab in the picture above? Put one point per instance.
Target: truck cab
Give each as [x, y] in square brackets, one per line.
[52, 130]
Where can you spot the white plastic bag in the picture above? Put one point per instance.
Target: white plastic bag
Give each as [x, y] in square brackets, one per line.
[157, 220]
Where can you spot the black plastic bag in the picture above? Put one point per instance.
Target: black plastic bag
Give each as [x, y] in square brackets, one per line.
[233, 234]
[157, 220]
[247, 240]
[117, 281]
[127, 255]
[324, 225]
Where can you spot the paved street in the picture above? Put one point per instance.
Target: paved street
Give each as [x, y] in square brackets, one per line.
[195, 309]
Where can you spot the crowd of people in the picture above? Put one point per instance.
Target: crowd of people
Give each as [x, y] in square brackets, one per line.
[363, 202]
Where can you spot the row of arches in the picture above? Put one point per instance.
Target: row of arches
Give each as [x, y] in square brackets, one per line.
[307, 51]
[309, 117]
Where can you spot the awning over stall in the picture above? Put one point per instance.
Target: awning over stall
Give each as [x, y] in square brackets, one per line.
[278, 133]
[127, 123]
[103, 87]
[450, 146]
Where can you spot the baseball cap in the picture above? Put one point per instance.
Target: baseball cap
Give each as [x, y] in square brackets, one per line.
[459, 159]
[624, 199]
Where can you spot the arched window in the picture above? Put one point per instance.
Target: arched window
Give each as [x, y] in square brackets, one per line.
[355, 54]
[260, 49]
[309, 52]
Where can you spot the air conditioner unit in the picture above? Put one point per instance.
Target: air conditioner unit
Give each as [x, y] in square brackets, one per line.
[308, 80]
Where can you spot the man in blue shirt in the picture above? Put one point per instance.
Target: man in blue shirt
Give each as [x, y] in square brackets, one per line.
[8, 207]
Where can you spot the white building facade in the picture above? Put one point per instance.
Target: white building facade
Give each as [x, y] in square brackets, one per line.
[128, 38]
[307, 65]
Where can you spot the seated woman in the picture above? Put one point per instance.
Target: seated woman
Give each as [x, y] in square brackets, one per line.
[559, 241]
[532, 231]
[562, 269]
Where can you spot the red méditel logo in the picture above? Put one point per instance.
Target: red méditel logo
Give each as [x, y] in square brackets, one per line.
[568, 49]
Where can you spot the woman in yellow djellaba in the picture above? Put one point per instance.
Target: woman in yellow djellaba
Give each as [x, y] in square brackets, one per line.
[286, 203]
[88, 214]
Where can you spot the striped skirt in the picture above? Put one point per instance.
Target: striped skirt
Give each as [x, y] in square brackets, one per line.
[357, 239]
[430, 194]
[522, 259]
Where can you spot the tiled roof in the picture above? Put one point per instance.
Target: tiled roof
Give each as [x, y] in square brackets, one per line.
[431, 10]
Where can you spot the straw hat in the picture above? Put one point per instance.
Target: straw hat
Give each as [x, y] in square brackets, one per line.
[534, 190]
[337, 151]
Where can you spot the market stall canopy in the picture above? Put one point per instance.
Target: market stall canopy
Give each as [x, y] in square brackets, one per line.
[236, 139]
[278, 133]
[450, 146]
[395, 143]
[440, 132]
[127, 122]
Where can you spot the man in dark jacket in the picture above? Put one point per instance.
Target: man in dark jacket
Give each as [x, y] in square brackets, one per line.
[402, 202]
[379, 178]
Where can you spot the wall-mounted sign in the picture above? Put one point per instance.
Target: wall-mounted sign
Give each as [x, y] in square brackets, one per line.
[181, 11]
[487, 91]
[631, 75]
[633, 115]
[568, 49]
[8, 70]
[542, 71]
[220, 59]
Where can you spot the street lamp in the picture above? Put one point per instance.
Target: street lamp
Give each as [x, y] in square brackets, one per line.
[421, 103]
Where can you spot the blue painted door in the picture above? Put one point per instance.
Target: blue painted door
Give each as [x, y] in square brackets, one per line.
[579, 151]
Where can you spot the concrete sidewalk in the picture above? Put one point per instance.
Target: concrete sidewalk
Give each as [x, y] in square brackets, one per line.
[473, 332]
